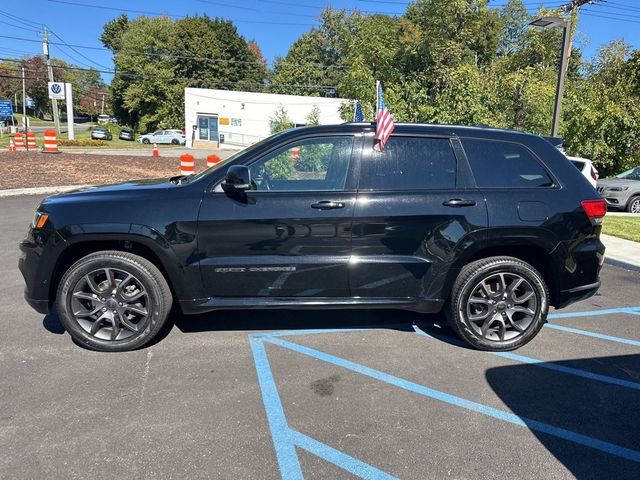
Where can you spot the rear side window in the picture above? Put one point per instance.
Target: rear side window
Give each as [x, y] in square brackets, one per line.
[413, 163]
[498, 164]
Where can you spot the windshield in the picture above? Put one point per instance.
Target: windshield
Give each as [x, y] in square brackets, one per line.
[633, 174]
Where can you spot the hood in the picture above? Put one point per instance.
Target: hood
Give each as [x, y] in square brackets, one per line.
[618, 182]
[130, 186]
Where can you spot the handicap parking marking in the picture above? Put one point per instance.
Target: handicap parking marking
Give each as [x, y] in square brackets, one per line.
[588, 333]
[550, 365]
[286, 439]
[593, 313]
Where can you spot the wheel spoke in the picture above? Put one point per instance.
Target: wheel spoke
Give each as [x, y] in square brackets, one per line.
[111, 283]
[137, 309]
[127, 324]
[84, 296]
[92, 285]
[528, 311]
[97, 325]
[525, 297]
[486, 325]
[124, 283]
[88, 313]
[514, 324]
[514, 285]
[503, 284]
[484, 301]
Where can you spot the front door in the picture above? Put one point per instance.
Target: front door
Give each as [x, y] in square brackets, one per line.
[290, 235]
[411, 217]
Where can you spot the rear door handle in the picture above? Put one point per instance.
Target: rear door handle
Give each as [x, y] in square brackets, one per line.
[327, 205]
[459, 202]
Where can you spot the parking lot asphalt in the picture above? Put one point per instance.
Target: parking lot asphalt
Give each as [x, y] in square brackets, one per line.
[346, 394]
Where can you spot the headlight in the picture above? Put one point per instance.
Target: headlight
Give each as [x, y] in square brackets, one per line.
[40, 220]
[618, 189]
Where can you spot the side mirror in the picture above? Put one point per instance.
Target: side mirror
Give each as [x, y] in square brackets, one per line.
[238, 179]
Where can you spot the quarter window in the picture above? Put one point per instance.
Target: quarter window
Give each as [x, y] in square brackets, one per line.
[504, 165]
[313, 164]
[413, 163]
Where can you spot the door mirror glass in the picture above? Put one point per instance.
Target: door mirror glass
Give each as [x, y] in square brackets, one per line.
[238, 179]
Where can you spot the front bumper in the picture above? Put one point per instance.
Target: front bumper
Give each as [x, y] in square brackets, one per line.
[615, 200]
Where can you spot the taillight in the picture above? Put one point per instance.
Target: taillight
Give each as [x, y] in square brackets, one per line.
[595, 209]
[594, 174]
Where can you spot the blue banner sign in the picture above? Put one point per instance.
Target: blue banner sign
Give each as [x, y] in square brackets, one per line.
[6, 108]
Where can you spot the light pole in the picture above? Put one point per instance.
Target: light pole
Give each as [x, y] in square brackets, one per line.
[564, 23]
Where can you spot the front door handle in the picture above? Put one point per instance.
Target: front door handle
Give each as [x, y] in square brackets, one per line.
[459, 202]
[327, 205]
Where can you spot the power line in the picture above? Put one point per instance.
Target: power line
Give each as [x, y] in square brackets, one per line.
[75, 50]
[588, 12]
[160, 14]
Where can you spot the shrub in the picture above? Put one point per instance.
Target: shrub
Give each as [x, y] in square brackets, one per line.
[85, 142]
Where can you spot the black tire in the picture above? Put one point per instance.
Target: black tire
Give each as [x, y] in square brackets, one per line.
[146, 141]
[504, 319]
[175, 141]
[84, 305]
[634, 204]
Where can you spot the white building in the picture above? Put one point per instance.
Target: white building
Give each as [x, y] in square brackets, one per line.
[243, 118]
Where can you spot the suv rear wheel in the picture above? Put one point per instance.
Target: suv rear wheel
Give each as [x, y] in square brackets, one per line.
[498, 303]
[113, 301]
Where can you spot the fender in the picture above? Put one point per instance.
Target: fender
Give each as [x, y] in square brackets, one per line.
[181, 266]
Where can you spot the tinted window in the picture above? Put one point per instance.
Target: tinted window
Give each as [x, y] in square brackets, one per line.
[504, 164]
[313, 164]
[412, 163]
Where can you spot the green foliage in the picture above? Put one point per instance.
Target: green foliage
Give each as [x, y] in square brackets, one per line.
[280, 120]
[156, 58]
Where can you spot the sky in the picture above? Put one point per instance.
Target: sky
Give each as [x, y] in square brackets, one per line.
[273, 24]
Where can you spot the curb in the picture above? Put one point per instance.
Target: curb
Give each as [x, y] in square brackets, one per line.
[621, 263]
[15, 192]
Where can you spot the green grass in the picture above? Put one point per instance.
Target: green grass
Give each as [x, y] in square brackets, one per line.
[623, 227]
[34, 121]
[84, 132]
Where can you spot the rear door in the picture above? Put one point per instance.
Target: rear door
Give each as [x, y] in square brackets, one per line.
[414, 212]
[290, 236]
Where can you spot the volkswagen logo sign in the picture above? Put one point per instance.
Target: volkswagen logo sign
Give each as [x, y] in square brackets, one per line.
[56, 88]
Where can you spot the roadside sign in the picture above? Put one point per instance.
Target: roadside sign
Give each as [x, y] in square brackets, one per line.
[6, 108]
[56, 90]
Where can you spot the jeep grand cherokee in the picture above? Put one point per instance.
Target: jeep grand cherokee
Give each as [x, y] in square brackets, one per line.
[491, 226]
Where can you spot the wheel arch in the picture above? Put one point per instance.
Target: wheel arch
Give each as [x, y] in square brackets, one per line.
[536, 255]
[137, 245]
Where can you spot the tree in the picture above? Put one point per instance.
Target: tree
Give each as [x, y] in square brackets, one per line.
[156, 58]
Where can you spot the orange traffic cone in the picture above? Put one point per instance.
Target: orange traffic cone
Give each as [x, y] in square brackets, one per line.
[19, 142]
[212, 160]
[187, 164]
[156, 153]
[50, 142]
[12, 146]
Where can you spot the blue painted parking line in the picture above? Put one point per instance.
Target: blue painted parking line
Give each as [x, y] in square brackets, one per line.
[601, 336]
[450, 399]
[593, 313]
[540, 363]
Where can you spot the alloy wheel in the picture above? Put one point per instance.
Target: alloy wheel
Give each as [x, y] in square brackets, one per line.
[110, 304]
[635, 206]
[502, 306]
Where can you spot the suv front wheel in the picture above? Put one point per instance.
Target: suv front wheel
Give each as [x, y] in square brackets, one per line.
[113, 301]
[498, 303]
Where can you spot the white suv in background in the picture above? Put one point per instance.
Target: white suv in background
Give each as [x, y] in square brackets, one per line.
[586, 168]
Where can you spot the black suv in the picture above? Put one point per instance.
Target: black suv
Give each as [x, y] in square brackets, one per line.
[493, 226]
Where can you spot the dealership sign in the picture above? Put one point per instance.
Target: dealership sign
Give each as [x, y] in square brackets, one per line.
[56, 90]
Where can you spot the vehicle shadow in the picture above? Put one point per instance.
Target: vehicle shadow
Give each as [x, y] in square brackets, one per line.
[595, 410]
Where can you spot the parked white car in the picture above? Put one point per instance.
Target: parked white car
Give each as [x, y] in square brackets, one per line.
[174, 137]
[586, 168]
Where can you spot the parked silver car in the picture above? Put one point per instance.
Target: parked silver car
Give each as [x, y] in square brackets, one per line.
[174, 137]
[622, 191]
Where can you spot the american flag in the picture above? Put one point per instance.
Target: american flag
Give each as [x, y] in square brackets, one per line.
[384, 121]
[357, 112]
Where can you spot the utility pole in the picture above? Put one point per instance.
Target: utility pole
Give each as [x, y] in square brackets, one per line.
[54, 102]
[102, 110]
[24, 96]
[562, 73]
